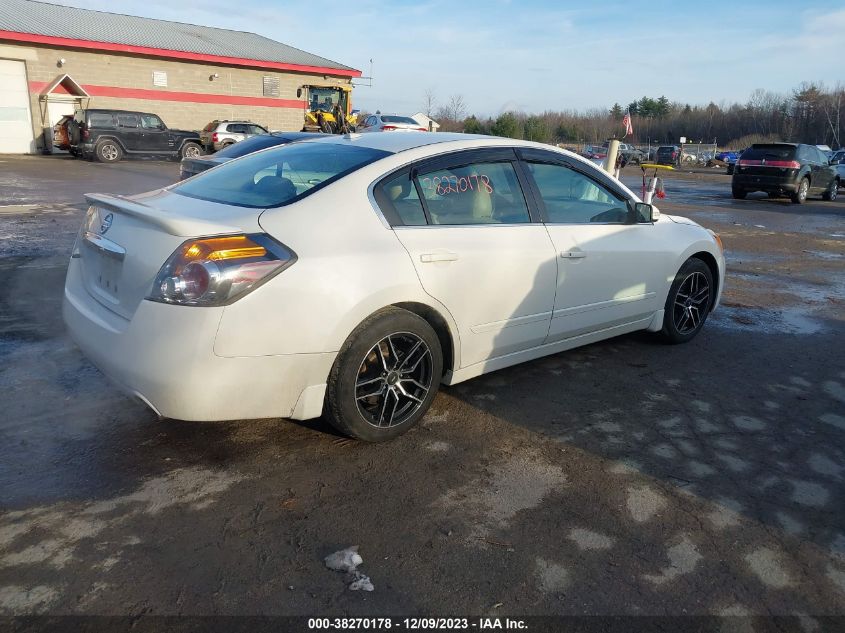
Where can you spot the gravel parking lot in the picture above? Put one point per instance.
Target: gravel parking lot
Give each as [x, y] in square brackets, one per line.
[624, 478]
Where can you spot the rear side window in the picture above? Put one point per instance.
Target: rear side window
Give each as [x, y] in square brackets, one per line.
[399, 200]
[128, 120]
[279, 176]
[236, 128]
[480, 193]
[771, 152]
[398, 119]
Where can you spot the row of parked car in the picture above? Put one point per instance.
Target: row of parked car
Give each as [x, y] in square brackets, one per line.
[109, 135]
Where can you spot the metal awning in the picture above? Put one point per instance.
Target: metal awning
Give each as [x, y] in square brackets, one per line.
[63, 86]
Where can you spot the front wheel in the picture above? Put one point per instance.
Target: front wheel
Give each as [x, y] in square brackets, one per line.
[191, 150]
[831, 192]
[688, 303]
[800, 196]
[385, 376]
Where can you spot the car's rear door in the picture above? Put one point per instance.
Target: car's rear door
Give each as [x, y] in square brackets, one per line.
[613, 267]
[465, 222]
[129, 130]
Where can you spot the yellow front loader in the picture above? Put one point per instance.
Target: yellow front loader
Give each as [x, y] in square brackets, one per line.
[329, 110]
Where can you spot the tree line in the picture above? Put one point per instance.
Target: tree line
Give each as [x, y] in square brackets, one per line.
[811, 113]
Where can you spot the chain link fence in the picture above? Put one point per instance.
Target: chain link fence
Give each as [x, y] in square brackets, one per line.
[697, 154]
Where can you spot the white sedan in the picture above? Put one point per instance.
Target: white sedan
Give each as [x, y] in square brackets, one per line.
[350, 276]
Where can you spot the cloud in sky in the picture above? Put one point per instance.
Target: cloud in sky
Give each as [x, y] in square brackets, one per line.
[541, 54]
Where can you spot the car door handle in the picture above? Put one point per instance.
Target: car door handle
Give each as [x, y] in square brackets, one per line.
[428, 258]
[573, 254]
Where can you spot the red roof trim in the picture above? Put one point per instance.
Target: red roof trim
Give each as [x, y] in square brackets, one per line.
[163, 52]
[172, 95]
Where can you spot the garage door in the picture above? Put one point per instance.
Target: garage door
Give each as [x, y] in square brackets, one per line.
[15, 123]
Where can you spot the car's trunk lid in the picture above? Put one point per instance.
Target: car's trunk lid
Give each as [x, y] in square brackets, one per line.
[125, 241]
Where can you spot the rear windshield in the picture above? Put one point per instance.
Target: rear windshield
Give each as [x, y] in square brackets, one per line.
[209, 127]
[278, 176]
[759, 152]
[398, 119]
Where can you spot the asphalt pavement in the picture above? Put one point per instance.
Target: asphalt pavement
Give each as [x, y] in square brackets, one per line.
[624, 478]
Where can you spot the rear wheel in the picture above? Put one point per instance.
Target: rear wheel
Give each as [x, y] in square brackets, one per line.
[738, 193]
[800, 196]
[688, 303]
[831, 192]
[385, 376]
[108, 151]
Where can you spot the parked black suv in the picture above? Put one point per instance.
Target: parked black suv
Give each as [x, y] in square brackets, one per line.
[668, 155]
[792, 169]
[109, 134]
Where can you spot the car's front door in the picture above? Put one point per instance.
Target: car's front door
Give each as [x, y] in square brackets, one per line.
[155, 136]
[472, 240]
[613, 267]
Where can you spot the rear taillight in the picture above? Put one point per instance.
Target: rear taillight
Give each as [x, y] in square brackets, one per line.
[387, 128]
[214, 137]
[787, 164]
[421, 129]
[784, 164]
[216, 271]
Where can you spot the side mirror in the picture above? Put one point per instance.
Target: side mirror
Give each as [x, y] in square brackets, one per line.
[646, 212]
[299, 93]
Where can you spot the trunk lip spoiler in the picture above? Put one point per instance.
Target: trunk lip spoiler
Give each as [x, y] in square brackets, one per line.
[176, 226]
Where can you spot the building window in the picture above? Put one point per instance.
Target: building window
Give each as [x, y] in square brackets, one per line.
[160, 79]
[271, 86]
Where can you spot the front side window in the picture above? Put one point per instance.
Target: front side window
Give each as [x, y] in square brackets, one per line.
[480, 193]
[151, 122]
[571, 197]
[278, 176]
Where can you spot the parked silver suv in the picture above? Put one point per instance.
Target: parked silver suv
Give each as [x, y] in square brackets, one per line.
[219, 134]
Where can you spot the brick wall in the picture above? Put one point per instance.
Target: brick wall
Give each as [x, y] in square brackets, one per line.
[136, 72]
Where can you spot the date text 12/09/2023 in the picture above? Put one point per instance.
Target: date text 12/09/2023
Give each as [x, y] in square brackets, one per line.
[416, 624]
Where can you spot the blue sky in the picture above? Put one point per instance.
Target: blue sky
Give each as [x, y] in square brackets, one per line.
[541, 55]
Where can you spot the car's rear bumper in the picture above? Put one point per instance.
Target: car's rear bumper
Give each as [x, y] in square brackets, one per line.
[165, 356]
[754, 182]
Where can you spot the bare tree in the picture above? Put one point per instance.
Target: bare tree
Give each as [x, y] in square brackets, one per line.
[429, 102]
[457, 108]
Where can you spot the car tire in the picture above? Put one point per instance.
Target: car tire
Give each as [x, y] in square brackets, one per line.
[729, 170]
[738, 193]
[688, 303]
[830, 194]
[800, 196]
[385, 376]
[190, 150]
[108, 151]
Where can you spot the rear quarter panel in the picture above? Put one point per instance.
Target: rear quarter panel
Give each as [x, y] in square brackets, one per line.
[349, 265]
